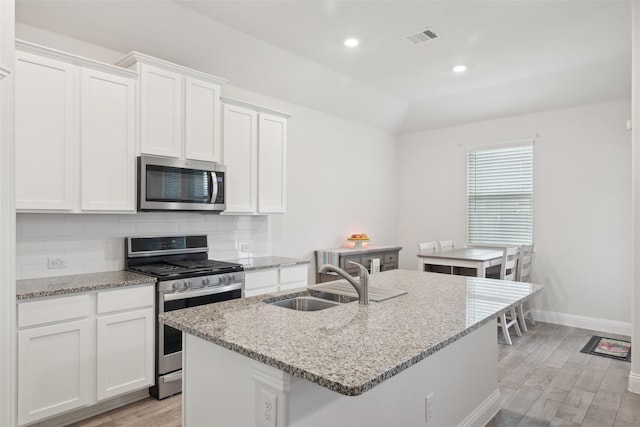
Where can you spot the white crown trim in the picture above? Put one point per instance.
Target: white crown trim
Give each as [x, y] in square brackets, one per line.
[37, 49]
[135, 57]
[258, 108]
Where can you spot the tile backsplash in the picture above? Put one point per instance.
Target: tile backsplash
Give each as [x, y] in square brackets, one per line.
[89, 243]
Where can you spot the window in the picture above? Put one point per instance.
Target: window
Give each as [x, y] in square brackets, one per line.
[500, 195]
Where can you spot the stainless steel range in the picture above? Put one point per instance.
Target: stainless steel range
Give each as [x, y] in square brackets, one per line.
[186, 278]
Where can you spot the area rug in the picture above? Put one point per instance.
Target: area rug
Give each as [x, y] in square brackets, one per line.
[608, 347]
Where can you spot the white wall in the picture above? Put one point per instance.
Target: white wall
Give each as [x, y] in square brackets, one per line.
[582, 203]
[8, 336]
[341, 180]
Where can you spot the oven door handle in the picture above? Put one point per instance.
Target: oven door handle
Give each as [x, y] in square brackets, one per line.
[201, 292]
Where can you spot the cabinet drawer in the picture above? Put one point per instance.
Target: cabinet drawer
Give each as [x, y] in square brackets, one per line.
[260, 279]
[125, 299]
[344, 261]
[54, 310]
[293, 274]
[390, 257]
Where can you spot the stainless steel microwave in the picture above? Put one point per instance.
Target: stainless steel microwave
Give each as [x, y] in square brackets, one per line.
[180, 185]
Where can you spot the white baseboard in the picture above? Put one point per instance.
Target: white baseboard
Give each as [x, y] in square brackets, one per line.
[484, 412]
[584, 322]
[634, 383]
[93, 410]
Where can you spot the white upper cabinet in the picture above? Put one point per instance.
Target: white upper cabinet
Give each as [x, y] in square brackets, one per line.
[240, 137]
[107, 142]
[45, 132]
[202, 120]
[255, 154]
[161, 111]
[179, 109]
[75, 133]
[272, 164]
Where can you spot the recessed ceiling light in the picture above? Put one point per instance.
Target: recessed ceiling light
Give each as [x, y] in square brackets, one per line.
[351, 42]
[459, 68]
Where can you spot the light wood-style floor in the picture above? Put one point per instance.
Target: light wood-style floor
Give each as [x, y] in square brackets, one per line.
[544, 380]
[144, 413]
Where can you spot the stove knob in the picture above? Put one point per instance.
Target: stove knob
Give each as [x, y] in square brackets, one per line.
[187, 284]
[221, 279]
[232, 278]
[175, 285]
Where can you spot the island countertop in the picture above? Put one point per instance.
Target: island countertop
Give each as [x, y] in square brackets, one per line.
[351, 348]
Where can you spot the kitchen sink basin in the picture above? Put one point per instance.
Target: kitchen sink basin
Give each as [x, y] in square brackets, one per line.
[305, 303]
[334, 297]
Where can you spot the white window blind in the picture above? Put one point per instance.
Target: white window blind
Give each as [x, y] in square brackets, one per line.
[500, 195]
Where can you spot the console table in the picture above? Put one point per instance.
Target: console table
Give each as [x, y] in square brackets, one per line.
[340, 257]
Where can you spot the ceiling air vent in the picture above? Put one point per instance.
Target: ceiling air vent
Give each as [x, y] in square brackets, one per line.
[422, 36]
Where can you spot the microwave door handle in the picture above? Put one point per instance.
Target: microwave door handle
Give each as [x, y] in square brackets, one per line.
[213, 186]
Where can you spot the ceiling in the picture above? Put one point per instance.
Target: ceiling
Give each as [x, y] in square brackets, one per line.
[522, 56]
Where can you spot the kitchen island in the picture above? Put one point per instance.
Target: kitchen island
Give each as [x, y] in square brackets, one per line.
[247, 362]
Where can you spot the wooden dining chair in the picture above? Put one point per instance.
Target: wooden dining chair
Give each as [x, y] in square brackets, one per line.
[508, 271]
[446, 245]
[425, 248]
[428, 248]
[524, 275]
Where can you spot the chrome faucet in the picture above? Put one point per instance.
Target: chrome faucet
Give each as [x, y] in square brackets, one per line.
[361, 286]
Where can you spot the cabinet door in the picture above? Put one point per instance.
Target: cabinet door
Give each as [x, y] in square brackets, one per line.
[202, 120]
[55, 369]
[240, 157]
[260, 282]
[125, 352]
[161, 111]
[108, 142]
[272, 164]
[293, 277]
[44, 133]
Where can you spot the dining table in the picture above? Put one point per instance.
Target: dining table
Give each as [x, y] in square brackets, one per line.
[460, 260]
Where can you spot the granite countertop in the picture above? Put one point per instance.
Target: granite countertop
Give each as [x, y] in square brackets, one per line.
[77, 283]
[266, 262]
[351, 348]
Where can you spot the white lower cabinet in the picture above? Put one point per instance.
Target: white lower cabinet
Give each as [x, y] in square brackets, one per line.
[54, 369]
[293, 277]
[125, 342]
[274, 280]
[78, 350]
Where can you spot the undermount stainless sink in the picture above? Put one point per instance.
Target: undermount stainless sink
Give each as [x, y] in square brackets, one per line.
[305, 303]
[342, 299]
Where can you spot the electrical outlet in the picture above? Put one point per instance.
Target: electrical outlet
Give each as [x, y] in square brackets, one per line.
[57, 262]
[428, 408]
[244, 247]
[268, 408]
